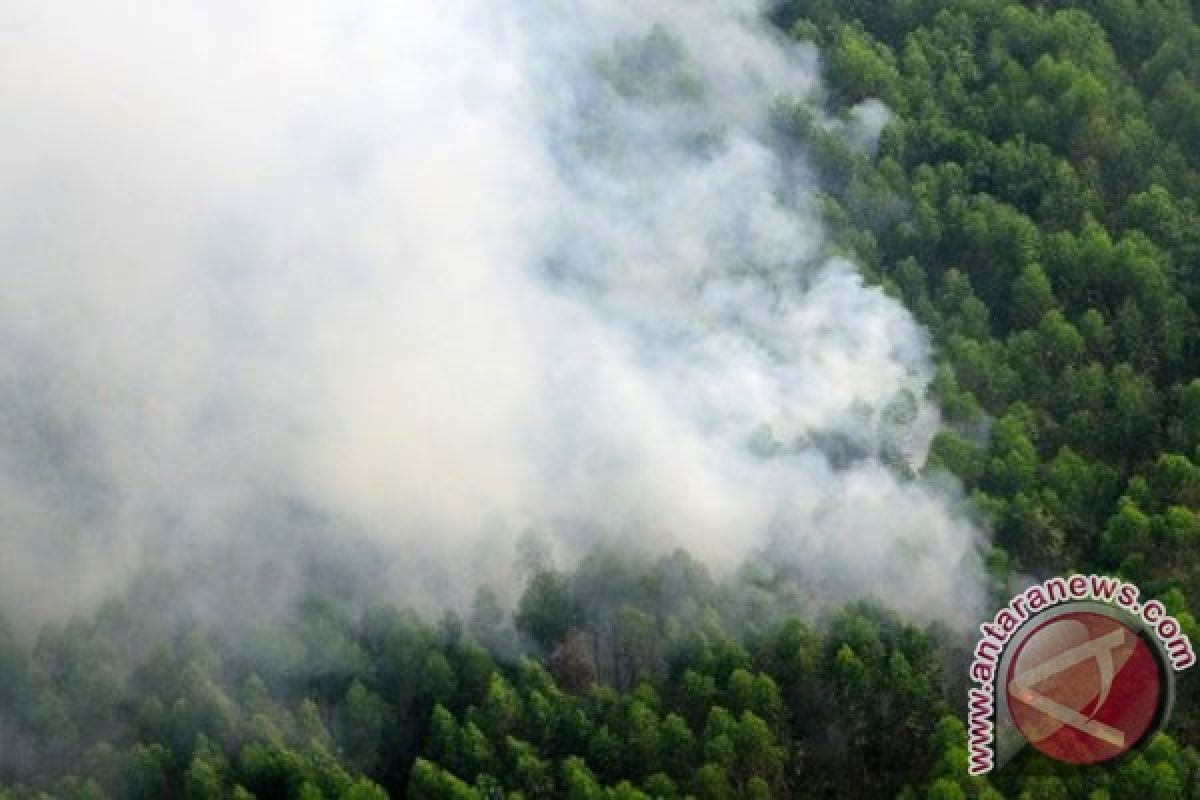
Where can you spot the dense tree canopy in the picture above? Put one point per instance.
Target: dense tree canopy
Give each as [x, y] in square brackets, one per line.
[1035, 201]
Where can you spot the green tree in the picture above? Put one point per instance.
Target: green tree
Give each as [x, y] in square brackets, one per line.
[546, 610]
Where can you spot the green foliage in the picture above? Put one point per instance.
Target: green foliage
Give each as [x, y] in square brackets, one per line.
[546, 609]
[1035, 202]
[1048, 159]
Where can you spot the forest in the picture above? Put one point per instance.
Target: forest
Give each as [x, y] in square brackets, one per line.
[1034, 201]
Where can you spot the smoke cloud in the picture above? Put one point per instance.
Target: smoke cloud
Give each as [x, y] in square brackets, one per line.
[431, 276]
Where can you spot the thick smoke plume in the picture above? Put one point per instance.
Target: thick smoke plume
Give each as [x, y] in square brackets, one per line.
[432, 275]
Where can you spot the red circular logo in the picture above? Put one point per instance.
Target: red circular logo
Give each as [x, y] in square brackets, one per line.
[1084, 687]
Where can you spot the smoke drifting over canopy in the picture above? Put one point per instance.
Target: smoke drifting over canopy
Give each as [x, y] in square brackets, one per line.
[439, 273]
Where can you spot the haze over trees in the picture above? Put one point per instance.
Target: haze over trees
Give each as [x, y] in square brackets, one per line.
[1034, 200]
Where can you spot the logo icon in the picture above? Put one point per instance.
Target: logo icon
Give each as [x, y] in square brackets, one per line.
[1081, 667]
[1084, 687]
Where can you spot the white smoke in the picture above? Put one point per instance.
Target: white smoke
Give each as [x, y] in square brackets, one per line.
[442, 272]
